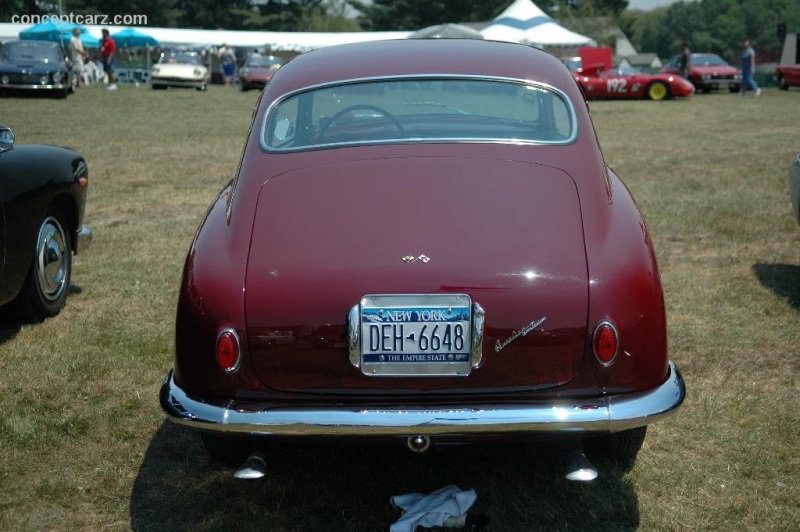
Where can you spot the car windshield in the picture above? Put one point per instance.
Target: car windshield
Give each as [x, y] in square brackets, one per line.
[708, 59]
[185, 58]
[29, 51]
[419, 110]
[263, 61]
[622, 71]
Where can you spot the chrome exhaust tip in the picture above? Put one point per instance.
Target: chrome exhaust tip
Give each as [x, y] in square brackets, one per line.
[418, 443]
[579, 468]
[253, 468]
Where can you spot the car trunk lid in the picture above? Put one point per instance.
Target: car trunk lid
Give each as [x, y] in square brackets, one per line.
[506, 234]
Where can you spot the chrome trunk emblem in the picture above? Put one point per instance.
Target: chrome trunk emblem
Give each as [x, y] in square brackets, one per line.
[409, 259]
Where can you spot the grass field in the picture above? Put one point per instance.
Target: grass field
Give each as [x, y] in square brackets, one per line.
[85, 446]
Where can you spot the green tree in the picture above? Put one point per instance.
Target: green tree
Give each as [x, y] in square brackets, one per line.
[410, 15]
[159, 12]
[10, 8]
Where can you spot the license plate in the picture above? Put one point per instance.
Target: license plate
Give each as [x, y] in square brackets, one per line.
[416, 334]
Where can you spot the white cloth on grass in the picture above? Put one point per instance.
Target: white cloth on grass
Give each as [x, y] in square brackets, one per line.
[432, 509]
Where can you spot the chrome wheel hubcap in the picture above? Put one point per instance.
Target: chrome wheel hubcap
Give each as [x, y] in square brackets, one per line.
[52, 267]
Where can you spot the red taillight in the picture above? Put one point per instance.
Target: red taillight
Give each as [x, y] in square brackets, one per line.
[605, 342]
[228, 350]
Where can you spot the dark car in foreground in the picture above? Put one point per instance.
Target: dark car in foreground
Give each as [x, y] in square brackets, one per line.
[42, 202]
[35, 66]
[423, 244]
[257, 70]
[631, 83]
[708, 72]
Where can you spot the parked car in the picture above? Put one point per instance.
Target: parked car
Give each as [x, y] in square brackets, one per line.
[572, 62]
[788, 76]
[439, 213]
[257, 70]
[35, 66]
[631, 83]
[794, 187]
[42, 202]
[179, 68]
[708, 72]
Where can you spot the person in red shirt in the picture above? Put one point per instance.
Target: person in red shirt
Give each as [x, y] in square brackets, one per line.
[107, 52]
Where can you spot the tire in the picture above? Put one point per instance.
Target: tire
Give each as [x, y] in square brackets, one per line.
[226, 450]
[657, 91]
[782, 85]
[620, 448]
[44, 292]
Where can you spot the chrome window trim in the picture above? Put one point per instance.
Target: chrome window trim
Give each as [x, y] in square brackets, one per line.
[421, 77]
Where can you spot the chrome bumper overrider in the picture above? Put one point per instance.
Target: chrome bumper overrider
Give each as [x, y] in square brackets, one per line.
[83, 240]
[607, 414]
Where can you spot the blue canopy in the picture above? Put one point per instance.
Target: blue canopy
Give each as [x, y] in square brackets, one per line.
[54, 32]
[88, 40]
[132, 38]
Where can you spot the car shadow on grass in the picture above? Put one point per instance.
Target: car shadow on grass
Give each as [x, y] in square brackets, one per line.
[11, 324]
[340, 485]
[782, 279]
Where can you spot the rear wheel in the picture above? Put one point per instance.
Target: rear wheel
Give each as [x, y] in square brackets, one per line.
[782, 85]
[658, 91]
[44, 292]
[620, 448]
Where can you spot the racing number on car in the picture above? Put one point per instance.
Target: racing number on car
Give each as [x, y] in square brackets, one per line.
[617, 85]
[620, 86]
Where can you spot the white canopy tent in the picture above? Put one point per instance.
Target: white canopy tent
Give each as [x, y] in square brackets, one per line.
[275, 41]
[524, 22]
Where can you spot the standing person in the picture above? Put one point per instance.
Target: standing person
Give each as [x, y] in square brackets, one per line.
[749, 68]
[77, 55]
[228, 60]
[107, 52]
[685, 60]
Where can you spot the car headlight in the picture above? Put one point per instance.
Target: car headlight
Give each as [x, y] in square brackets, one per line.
[246, 72]
[155, 70]
[5, 80]
[57, 77]
[198, 73]
[44, 79]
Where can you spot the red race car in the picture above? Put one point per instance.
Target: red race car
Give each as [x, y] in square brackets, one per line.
[788, 76]
[631, 83]
[422, 244]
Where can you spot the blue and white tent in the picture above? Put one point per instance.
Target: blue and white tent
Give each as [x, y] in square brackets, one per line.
[524, 22]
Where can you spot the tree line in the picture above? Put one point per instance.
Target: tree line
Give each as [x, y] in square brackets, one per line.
[717, 26]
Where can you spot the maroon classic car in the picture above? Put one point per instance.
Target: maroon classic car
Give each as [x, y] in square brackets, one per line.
[257, 70]
[423, 244]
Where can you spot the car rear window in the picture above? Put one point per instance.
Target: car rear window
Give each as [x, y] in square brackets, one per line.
[419, 110]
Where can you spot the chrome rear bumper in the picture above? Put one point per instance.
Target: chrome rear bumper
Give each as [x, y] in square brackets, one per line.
[601, 415]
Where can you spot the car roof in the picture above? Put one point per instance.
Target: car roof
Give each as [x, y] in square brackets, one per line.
[408, 57]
